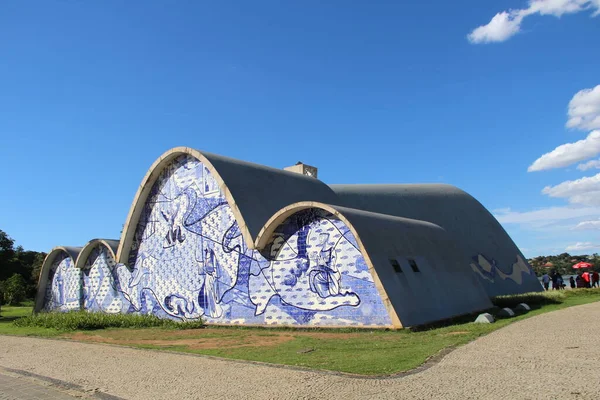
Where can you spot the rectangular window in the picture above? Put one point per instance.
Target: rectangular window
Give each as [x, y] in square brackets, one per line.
[396, 266]
[413, 265]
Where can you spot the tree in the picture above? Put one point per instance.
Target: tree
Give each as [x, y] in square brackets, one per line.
[37, 267]
[17, 260]
[7, 255]
[14, 289]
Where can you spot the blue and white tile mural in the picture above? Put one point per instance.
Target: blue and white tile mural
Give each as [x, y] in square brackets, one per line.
[101, 289]
[64, 288]
[189, 261]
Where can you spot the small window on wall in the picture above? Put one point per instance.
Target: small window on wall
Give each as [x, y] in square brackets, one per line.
[413, 265]
[396, 266]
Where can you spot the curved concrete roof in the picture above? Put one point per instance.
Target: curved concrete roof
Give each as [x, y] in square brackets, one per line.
[72, 252]
[440, 227]
[381, 237]
[460, 214]
[254, 192]
[111, 244]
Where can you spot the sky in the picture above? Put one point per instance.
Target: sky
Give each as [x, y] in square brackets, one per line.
[500, 98]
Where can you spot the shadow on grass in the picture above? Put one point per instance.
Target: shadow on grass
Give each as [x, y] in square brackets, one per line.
[9, 319]
[533, 300]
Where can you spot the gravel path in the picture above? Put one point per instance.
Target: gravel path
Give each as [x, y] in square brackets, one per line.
[551, 356]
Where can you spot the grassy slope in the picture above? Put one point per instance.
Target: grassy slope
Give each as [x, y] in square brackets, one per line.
[359, 352]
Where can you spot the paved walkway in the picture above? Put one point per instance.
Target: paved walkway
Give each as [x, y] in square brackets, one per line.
[551, 356]
[15, 387]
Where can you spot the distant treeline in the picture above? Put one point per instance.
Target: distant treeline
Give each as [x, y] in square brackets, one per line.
[562, 263]
[19, 271]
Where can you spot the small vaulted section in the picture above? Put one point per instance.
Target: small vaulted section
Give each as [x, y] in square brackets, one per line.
[100, 277]
[60, 286]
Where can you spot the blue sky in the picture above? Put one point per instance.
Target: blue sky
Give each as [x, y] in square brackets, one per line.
[469, 93]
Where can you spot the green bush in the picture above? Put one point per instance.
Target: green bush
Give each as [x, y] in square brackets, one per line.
[82, 320]
[14, 289]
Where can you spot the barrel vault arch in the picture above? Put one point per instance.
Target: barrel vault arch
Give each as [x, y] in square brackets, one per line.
[99, 276]
[110, 245]
[279, 217]
[146, 186]
[72, 252]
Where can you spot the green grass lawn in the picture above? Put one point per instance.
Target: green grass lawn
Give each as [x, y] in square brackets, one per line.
[8, 314]
[368, 352]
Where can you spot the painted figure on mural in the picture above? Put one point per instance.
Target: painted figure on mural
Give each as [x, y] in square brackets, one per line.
[489, 270]
[93, 276]
[209, 297]
[58, 287]
[324, 276]
[171, 269]
[65, 291]
[101, 283]
[305, 270]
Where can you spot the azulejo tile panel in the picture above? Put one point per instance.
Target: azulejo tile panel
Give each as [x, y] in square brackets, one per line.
[189, 261]
[64, 288]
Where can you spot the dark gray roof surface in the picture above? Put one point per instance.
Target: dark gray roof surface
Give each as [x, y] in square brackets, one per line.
[461, 215]
[260, 191]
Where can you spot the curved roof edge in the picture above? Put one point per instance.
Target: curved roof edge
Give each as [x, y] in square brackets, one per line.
[72, 252]
[235, 179]
[111, 244]
[337, 210]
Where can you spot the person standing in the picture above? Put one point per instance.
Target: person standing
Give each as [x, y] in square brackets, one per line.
[546, 280]
[572, 282]
[595, 279]
[555, 280]
[586, 278]
[580, 281]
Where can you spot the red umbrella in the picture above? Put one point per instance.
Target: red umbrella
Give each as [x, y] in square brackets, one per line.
[582, 265]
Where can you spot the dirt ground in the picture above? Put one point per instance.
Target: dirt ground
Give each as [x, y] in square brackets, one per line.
[196, 339]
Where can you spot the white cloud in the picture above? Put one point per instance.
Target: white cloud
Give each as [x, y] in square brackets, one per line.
[506, 24]
[587, 225]
[502, 26]
[560, 7]
[550, 214]
[583, 191]
[589, 165]
[581, 246]
[569, 153]
[584, 109]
